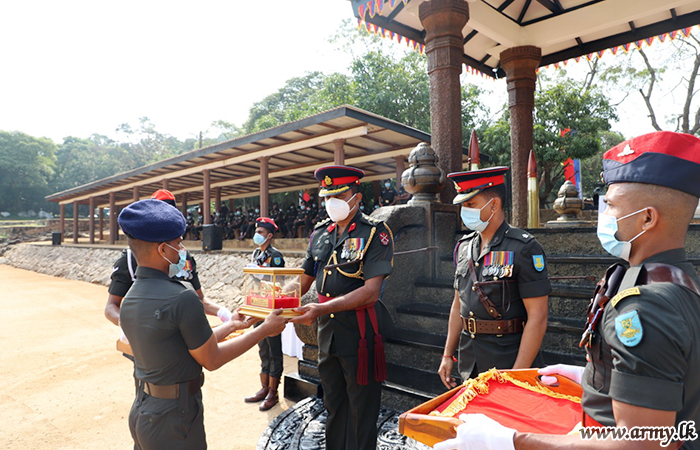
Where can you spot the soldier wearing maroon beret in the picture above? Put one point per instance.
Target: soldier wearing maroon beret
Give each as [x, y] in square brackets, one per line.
[499, 311]
[350, 317]
[642, 336]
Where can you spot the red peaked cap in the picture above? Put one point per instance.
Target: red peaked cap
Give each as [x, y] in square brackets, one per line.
[337, 179]
[267, 223]
[469, 184]
[662, 158]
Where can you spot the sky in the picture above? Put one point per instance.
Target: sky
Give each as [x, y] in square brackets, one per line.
[74, 68]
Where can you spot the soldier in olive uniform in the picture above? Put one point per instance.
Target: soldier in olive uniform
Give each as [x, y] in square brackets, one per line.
[349, 257]
[499, 312]
[642, 336]
[270, 348]
[170, 336]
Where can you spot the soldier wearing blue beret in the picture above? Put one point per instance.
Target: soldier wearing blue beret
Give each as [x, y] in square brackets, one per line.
[169, 334]
[499, 311]
[642, 337]
[349, 256]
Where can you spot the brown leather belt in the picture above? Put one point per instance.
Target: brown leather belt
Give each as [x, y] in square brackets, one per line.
[477, 326]
[172, 391]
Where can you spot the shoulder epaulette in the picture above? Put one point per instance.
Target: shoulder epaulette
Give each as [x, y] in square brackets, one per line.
[323, 223]
[467, 236]
[626, 293]
[517, 233]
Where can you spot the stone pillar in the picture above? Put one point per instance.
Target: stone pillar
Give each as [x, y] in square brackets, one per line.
[112, 219]
[206, 201]
[75, 222]
[91, 220]
[400, 167]
[166, 184]
[62, 222]
[264, 186]
[135, 196]
[520, 64]
[102, 223]
[443, 21]
[339, 152]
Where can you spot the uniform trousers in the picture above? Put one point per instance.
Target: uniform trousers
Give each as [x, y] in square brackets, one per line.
[271, 359]
[352, 409]
[173, 424]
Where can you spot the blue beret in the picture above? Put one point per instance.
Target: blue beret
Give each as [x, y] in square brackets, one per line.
[662, 158]
[152, 221]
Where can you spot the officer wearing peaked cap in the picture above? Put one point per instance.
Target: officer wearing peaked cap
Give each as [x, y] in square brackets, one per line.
[499, 312]
[349, 256]
[169, 334]
[642, 337]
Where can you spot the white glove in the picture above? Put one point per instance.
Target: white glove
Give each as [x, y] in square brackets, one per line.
[224, 314]
[479, 432]
[123, 337]
[574, 373]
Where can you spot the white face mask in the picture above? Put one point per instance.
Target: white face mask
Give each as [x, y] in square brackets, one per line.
[607, 228]
[338, 209]
[472, 218]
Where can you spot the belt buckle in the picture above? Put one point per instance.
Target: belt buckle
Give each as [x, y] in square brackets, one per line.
[471, 326]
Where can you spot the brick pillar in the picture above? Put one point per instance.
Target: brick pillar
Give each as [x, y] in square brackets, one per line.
[135, 196]
[62, 222]
[102, 224]
[400, 167]
[75, 222]
[520, 64]
[217, 198]
[206, 201]
[183, 204]
[443, 21]
[339, 152]
[112, 219]
[264, 186]
[91, 220]
[166, 184]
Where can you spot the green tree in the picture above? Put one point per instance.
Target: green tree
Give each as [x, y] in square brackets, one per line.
[26, 166]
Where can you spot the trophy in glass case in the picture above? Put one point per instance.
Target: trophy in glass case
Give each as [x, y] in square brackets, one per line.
[270, 288]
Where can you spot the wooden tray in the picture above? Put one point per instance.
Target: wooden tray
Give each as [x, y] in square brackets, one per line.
[417, 424]
[257, 311]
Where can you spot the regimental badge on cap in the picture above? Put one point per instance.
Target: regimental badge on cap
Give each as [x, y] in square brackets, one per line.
[337, 179]
[469, 184]
[628, 327]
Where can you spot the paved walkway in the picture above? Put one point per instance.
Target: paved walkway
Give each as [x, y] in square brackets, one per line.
[66, 387]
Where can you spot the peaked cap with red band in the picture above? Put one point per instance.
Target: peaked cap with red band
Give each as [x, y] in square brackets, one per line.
[469, 184]
[337, 179]
[165, 196]
[662, 158]
[267, 223]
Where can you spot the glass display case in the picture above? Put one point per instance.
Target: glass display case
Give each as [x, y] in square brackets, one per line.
[270, 288]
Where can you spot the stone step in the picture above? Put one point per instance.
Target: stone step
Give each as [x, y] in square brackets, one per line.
[415, 349]
[428, 317]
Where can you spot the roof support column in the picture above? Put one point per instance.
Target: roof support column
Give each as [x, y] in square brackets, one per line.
[62, 222]
[265, 186]
[443, 21]
[400, 167]
[217, 199]
[75, 222]
[166, 184]
[91, 220]
[339, 152]
[183, 204]
[520, 64]
[102, 224]
[112, 220]
[206, 201]
[135, 196]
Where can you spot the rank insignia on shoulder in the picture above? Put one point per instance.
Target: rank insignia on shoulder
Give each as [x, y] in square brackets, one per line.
[538, 262]
[628, 327]
[277, 260]
[626, 293]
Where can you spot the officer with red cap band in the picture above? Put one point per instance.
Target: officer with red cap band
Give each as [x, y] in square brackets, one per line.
[351, 320]
[642, 337]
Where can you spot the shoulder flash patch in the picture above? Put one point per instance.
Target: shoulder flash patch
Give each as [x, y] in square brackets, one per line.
[626, 293]
[628, 327]
[538, 262]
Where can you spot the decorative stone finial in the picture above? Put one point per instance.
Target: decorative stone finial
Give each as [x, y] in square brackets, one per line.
[568, 204]
[423, 179]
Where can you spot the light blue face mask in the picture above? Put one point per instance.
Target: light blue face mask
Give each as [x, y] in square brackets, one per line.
[174, 269]
[259, 239]
[607, 228]
[471, 217]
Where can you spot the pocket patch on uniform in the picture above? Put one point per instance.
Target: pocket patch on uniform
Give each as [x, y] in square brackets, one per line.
[538, 262]
[628, 327]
